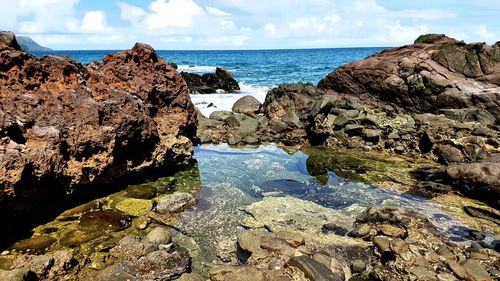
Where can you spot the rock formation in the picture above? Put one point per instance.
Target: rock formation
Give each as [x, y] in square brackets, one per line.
[440, 73]
[64, 125]
[209, 83]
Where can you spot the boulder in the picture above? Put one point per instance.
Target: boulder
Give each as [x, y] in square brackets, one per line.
[209, 83]
[66, 127]
[247, 105]
[437, 73]
[291, 102]
[8, 40]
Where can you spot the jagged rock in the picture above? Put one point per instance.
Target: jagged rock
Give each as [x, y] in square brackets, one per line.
[443, 73]
[49, 266]
[8, 40]
[65, 126]
[209, 83]
[17, 275]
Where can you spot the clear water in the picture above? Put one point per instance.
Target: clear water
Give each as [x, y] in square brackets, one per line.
[230, 177]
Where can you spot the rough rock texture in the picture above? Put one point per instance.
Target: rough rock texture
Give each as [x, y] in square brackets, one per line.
[65, 125]
[247, 105]
[209, 83]
[424, 77]
[407, 247]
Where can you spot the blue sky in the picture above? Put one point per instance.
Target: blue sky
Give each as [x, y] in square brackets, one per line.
[251, 24]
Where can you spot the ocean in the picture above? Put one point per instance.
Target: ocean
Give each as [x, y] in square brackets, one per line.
[256, 71]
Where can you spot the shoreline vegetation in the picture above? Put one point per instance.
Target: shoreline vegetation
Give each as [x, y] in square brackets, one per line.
[97, 167]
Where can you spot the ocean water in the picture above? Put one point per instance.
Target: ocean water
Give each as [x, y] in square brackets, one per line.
[255, 70]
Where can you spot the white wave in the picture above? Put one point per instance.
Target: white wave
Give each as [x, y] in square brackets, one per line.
[224, 101]
[196, 68]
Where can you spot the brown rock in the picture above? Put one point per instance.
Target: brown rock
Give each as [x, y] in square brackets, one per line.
[474, 271]
[423, 77]
[68, 126]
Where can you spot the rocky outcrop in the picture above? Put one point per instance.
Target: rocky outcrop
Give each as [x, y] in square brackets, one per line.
[64, 125]
[209, 83]
[440, 73]
[406, 246]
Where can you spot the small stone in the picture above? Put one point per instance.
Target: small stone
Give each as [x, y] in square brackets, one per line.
[292, 238]
[399, 149]
[159, 236]
[423, 273]
[399, 246]
[358, 266]
[361, 231]
[382, 244]
[474, 271]
[175, 203]
[334, 228]
[392, 231]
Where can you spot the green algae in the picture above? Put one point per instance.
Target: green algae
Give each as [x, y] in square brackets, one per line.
[377, 168]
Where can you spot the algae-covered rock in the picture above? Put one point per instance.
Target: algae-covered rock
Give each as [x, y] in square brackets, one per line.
[134, 207]
[105, 220]
[33, 245]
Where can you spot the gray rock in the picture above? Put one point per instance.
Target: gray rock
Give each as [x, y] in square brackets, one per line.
[358, 266]
[247, 105]
[17, 275]
[221, 115]
[159, 236]
[475, 271]
[314, 270]
[372, 135]
[175, 202]
[114, 273]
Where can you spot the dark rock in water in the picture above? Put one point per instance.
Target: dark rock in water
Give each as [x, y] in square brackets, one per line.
[477, 235]
[142, 191]
[335, 229]
[105, 220]
[75, 238]
[482, 214]
[76, 212]
[283, 187]
[34, 245]
[314, 270]
[175, 203]
[247, 105]
[209, 83]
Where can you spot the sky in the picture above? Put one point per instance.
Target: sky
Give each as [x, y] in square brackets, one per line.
[246, 24]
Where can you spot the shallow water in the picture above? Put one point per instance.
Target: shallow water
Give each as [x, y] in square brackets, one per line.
[233, 178]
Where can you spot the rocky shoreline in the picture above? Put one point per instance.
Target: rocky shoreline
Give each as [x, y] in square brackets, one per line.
[69, 128]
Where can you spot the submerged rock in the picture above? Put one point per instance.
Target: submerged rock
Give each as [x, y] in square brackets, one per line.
[175, 203]
[105, 220]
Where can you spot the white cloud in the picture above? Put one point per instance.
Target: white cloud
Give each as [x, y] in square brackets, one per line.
[177, 39]
[485, 34]
[236, 41]
[270, 29]
[94, 21]
[174, 13]
[217, 12]
[404, 34]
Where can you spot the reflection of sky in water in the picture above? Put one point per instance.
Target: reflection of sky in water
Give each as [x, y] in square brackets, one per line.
[247, 169]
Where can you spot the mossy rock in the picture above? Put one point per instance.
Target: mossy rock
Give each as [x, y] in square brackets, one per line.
[34, 245]
[105, 220]
[134, 207]
[429, 38]
[141, 191]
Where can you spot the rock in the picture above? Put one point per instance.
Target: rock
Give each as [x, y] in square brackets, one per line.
[448, 154]
[146, 260]
[392, 231]
[175, 203]
[105, 220]
[159, 236]
[457, 269]
[293, 239]
[423, 273]
[221, 115]
[423, 77]
[48, 266]
[69, 127]
[382, 244]
[479, 180]
[134, 207]
[290, 101]
[209, 83]
[246, 274]
[273, 244]
[371, 135]
[34, 245]
[474, 271]
[191, 277]
[114, 273]
[17, 274]
[247, 105]
[358, 266]
[314, 270]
